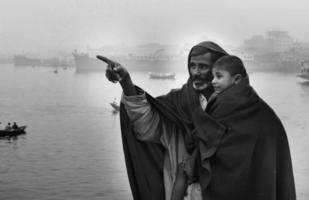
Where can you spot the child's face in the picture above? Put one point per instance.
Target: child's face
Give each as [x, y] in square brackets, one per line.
[222, 79]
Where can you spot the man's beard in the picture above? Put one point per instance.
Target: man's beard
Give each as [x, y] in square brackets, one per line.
[201, 82]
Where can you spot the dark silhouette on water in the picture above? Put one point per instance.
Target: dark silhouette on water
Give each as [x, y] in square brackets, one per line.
[13, 132]
[116, 106]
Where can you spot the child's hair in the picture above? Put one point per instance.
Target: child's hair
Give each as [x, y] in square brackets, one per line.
[232, 64]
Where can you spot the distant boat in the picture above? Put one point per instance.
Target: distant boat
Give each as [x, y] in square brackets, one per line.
[56, 71]
[115, 106]
[154, 75]
[304, 71]
[13, 132]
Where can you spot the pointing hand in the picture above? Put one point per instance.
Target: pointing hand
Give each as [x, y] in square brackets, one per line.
[115, 72]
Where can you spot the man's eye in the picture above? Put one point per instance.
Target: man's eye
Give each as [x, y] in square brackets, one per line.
[192, 65]
[204, 67]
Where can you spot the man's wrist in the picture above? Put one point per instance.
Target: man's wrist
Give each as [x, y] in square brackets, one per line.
[125, 79]
[127, 86]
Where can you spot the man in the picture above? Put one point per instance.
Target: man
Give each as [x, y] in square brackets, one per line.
[14, 126]
[164, 135]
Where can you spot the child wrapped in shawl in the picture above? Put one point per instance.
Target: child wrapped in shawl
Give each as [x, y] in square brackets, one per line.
[252, 159]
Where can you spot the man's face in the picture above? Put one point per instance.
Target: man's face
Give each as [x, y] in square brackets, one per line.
[222, 79]
[200, 71]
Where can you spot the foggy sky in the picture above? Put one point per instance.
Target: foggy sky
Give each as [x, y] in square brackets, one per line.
[34, 25]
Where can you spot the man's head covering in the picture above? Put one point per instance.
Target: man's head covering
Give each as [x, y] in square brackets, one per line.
[207, 46]
[212, 47]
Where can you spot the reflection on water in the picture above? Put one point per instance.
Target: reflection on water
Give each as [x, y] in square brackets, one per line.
[72, 148]
[304, 84]
[11, 139]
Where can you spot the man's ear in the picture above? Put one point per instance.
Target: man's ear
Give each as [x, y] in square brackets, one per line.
[237, 78]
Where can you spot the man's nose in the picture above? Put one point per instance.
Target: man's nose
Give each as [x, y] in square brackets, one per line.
[197, 71]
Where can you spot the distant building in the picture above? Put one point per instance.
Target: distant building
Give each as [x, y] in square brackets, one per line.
[303, 50]
[275, 50]
[256, 44]
[280, 41]
[274, 42]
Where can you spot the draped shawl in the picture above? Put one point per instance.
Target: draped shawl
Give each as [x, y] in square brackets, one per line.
[242, 146]
[252, 159]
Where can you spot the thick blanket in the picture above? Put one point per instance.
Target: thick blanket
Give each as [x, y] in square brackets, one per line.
[251, 160]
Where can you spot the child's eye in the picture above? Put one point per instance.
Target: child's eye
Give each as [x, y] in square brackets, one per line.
[218, 75]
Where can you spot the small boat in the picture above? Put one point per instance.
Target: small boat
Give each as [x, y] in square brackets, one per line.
[13, 132]
[115, 106]
[153, 75]
[56, 71]
[304, 71]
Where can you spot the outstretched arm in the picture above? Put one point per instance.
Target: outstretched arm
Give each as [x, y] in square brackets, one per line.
[147, 123]
[115, 72]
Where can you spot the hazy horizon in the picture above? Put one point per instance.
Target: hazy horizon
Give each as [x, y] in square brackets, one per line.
[38, 26]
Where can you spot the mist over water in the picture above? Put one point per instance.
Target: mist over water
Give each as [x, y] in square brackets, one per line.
[73, 150]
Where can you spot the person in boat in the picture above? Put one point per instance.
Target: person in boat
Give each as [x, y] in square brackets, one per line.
[176, 128]
[8, 126]
[14, 126]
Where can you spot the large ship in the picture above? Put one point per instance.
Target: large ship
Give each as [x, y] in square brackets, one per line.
[83, 62]
[149, 57]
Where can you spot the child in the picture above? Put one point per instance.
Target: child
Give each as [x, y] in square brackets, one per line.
[251, 159]
[227, 71]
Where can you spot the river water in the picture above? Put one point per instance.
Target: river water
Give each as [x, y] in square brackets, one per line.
[73, 150]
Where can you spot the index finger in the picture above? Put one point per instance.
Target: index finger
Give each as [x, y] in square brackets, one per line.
[106, 60]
